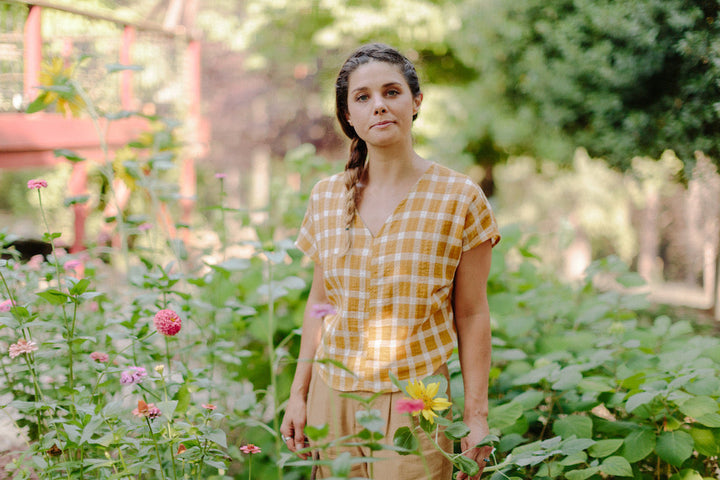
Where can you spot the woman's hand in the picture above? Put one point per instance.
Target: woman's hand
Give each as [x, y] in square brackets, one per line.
[293, 425]
[478, 431]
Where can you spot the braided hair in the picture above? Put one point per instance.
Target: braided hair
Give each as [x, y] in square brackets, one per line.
[355, 167]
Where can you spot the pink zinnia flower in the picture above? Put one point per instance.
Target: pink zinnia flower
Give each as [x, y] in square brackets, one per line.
[6, 305]
[100, 357]
[409, 405]
[133, 376]
[167, 322]
[221, 175]
[321, 310]
[35, 262]
[209, 406]
[22, 346]
[144, 227]
[36, 183]
[250, 448]
[146, 410]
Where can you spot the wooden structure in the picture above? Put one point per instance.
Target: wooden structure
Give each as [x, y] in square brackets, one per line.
[28, 140]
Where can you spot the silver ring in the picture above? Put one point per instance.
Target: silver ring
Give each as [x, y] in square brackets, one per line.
[285, 439]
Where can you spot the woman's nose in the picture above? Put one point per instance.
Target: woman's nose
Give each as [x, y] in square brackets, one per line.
[380, 107]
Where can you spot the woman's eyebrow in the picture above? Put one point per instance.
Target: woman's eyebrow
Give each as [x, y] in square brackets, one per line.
[389, 84]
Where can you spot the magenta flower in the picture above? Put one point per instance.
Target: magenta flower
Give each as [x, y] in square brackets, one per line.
[133, 375]
[146, 410]
[6, 305]
[100, 357]
[250, 448]
[209, 406]
[221, 175]
[36, 183]
[409, 405]
[22, 346]
[321, 310]
[167, 322]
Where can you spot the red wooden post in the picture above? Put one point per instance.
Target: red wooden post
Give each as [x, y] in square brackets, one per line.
[32, 53]
[188, 178]
[77, 185]
[126, 76]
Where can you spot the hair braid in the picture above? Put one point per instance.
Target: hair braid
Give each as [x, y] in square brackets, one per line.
[354, 170]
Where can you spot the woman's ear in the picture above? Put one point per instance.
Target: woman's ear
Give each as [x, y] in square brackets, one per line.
[417, 102]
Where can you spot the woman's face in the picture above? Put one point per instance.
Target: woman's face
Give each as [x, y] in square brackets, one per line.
[380, 104]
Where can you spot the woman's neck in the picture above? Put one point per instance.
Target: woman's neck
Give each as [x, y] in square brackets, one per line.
[387, 167]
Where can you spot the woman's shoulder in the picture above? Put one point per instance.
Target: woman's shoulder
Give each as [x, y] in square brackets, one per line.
[452, 180]
[331, 184]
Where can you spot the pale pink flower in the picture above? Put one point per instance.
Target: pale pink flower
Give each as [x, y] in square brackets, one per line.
[146, 410]
[209, 406]
[35, 262]
[36, 183]
[409, 405]
[144, 227]
[133, 375]
[72, 264]
[6, 305]
[22, 346]
[321, 310]
[100, 357]
[221, 175]
[250, 448]
[167, 322]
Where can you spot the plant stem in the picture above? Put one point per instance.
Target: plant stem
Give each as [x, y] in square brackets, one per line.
[157, 449]
[271, 356]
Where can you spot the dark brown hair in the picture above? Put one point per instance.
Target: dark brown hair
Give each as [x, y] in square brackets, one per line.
[355, 167]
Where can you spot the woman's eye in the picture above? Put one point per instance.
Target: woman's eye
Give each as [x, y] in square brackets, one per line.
[393, 93]
[361, 98]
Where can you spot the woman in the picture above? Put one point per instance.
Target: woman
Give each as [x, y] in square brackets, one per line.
[401, 249]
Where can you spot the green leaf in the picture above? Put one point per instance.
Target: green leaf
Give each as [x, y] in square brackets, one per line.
[577, 425]
[709, 420]
[574, 459]
[54, 297]
[705, 441]
[371, 419]
[317, 433]
[466, 465]
[604, 448]
[117, 67]
[457, 430]
[405, 439]
[505, 416]
[616, 467]
[674, 447]
[218, 436]
[183, 398]
[76, 200]
[90, 428]
[80, 287]
[38, 104]
[638, 445]
[696, 407]
[582, 474]
[687, 474]
[68, 154]
[639, 399]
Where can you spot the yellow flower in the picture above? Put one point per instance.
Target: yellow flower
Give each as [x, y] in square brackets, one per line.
[417, 390]
[56, 74]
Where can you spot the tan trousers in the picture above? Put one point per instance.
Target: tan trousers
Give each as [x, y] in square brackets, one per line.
[326, 406]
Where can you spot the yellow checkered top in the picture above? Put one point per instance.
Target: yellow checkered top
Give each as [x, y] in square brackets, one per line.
[393, 292]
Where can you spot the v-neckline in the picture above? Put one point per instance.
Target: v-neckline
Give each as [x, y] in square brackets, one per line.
[394, 211]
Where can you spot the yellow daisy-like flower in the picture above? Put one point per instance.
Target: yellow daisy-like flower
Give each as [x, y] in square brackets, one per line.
[55, 74]
[417, 390]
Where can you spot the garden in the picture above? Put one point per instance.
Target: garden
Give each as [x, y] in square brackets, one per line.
[166, 349]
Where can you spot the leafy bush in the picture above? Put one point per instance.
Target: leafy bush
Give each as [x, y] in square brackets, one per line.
[588, 383]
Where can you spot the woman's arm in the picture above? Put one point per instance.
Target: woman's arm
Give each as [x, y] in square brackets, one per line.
[472, 320]
[293, 424]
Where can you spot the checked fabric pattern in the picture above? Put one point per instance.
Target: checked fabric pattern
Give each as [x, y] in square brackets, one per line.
[393, 292]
